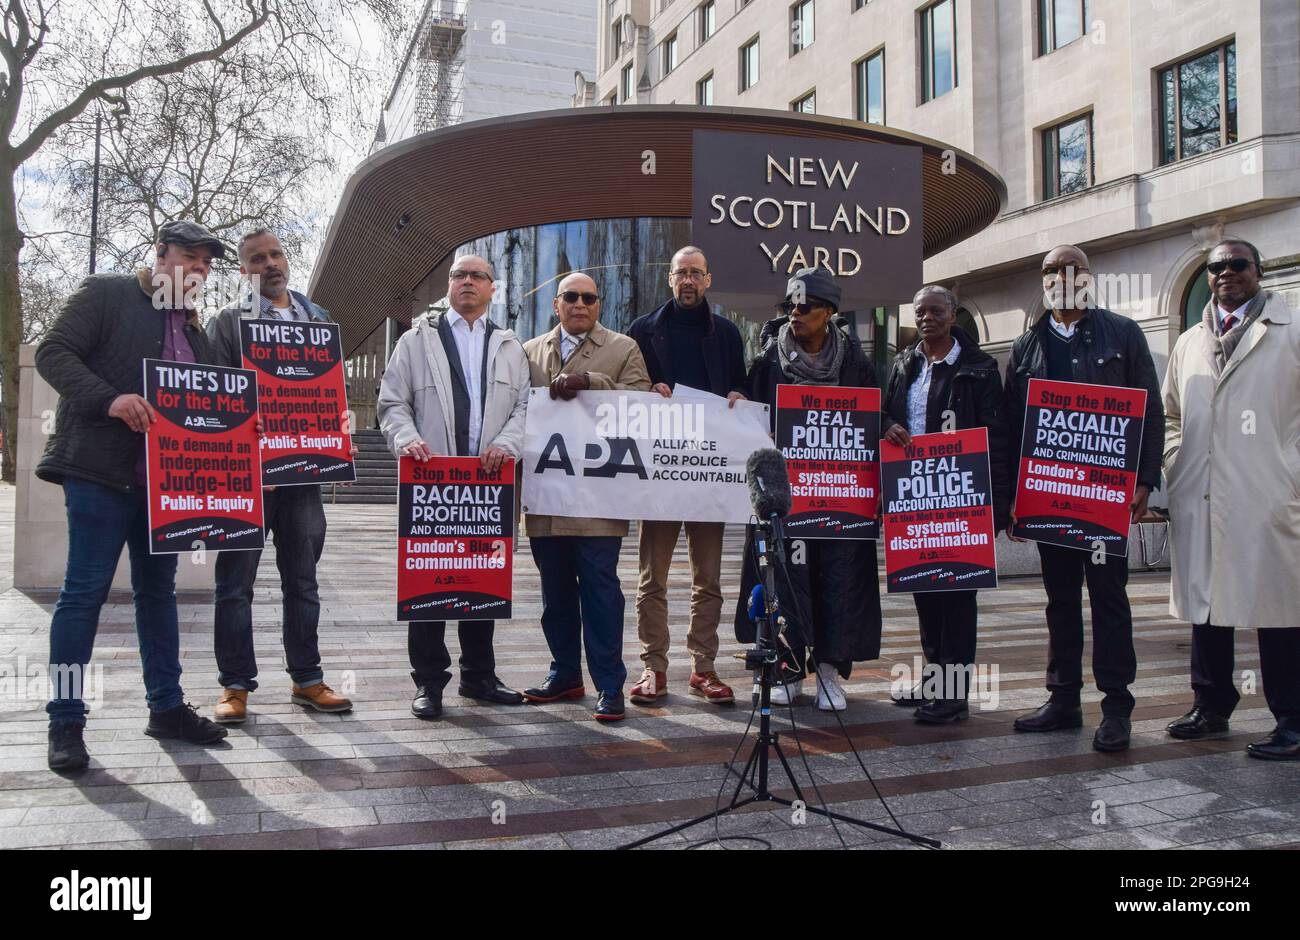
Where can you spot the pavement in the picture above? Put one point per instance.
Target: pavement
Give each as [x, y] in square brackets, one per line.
[551, 777]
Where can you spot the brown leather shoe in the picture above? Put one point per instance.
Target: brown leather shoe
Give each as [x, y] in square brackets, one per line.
[232, 707]
[320, 697]
[652, 688]
[709, 687]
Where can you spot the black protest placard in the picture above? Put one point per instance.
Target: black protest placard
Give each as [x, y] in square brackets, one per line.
[302, 398]
[201, 458]
[1079, 459]
[830, 438]
[455, 528]
[938, 513]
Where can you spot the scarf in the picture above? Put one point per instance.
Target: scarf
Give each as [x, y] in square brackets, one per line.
[806, 369]
[1225, 345]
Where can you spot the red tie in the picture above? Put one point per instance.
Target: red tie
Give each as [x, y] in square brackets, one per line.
[1228, 320]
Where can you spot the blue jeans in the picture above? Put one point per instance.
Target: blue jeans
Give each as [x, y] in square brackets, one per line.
[582, 603]
[295, 519]
[100, 521]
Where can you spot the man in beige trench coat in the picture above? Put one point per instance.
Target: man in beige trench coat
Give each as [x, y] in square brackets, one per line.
[1232, 471]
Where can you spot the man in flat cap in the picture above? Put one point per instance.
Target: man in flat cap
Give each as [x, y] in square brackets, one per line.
[93, 357]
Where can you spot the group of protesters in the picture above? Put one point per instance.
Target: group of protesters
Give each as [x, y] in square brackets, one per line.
[1222, 436]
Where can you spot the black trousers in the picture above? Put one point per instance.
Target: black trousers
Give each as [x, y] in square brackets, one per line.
[1114, 663]
[1279, 666]
[948, 637]
[431, 663]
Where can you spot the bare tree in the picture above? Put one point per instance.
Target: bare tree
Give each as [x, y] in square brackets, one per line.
[59, 58]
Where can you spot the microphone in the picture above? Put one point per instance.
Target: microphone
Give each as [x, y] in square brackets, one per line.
[769, 484]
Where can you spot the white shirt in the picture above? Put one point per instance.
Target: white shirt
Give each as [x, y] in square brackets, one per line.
[918, 396]
[1065, 329]
[469, 343]
[569, 342]
[1220, 313]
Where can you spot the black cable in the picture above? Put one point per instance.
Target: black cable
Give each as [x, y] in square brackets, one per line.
[789, 704]
[843, 730]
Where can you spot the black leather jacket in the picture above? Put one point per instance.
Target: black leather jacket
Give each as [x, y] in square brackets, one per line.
[1107, 349]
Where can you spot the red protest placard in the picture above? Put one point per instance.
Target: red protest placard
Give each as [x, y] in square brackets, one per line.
[455, 546]
[938, 514]
[201, 458]
[830, 438]
[1078, 464]
[302, 398]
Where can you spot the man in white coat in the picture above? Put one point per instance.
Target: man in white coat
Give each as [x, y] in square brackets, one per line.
[1232, 471]
[456, 384]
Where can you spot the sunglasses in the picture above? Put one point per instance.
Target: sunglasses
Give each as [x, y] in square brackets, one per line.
[1237, 264]
[1052, 270]
[802, 309]
[571, 297]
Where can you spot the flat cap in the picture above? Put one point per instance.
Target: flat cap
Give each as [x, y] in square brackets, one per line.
[191, 234]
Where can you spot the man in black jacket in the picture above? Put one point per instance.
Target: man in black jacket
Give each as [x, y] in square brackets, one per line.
[1076, 342]
[93, 357]
[294, 517]
[684, 342]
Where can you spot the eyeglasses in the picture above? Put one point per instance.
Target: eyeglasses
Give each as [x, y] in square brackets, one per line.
[1051, 270]
[689, 274]
[1237, 264]
[802, 309]
[571, 297]
[478, 277]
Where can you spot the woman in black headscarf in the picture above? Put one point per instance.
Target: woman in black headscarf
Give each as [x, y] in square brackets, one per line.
[832, 600]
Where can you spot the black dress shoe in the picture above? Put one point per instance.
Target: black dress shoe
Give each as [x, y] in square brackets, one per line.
[495, 691]
[1282, 744]
[184, 722]
[942, 712]
[67, 750]
[553, 690]
[1051, 717]
[427, 703]
[1197, 723]
[1112, 735]
[609, 707]
[913, 698]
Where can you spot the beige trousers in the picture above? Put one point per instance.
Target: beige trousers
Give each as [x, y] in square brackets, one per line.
[704, 548]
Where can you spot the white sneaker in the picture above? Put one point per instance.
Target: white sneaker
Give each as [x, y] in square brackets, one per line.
[784, 694]
[830, 697]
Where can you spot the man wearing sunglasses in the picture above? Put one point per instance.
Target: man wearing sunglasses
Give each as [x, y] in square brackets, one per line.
[1232, 466]
[582, 601]
[1075, 341]
[456, 384]
[685, 342]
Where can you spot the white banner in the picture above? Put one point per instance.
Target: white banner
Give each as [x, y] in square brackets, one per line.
[638, 455]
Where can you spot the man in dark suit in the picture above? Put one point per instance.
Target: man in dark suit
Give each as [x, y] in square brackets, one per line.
[685, 342]
[1075, 341]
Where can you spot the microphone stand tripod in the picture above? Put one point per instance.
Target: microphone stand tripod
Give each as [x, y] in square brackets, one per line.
[764, 660]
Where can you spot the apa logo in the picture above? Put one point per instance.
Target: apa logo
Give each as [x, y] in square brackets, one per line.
[622, 456]
[76, 893]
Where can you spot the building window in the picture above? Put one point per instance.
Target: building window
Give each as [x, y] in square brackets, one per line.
[1060, 22]
[704, 90]
[670, 53]
[615, 39]
[1198, 104]
[749, 64]
[802, 31]
[708, 19]
[938, 50]
[869, 88]
[1067, 157]
[805, 105]
[625, 83]
[612, 99]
